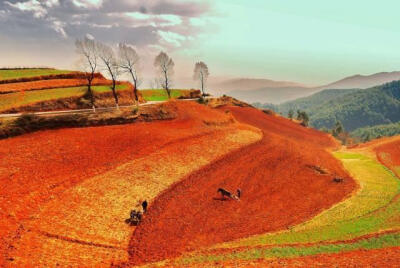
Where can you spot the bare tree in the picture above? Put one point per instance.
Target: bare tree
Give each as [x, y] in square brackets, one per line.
[110, 62]
[201, 74]
[129, 63]
[87, 49]
[165, 67]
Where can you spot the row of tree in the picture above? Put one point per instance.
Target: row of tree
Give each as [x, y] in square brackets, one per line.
[96, 56]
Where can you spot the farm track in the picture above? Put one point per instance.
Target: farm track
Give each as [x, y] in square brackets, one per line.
[189, 215]
[78, 219]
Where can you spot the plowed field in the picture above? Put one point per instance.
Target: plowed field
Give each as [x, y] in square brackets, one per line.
[286, 178]
[66, 193]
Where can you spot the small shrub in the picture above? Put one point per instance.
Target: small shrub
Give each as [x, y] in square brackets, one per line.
[26, 121]
[202, 100]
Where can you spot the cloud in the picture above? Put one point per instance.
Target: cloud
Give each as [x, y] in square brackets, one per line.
[142, 22]
[32, 6]
[189, 8]
[171, 38]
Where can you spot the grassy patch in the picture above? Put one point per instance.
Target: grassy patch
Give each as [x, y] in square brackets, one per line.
[383, 241]
[8, 101]
[19, 73]
[369, 210]
[161, 94]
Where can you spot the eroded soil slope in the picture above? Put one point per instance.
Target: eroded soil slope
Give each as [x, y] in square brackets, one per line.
[285, 179]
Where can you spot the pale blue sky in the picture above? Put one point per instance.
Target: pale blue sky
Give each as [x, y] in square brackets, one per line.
[308, 41]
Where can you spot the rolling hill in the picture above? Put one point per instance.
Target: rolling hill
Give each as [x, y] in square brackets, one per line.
[247, 84]
[276, 92]
[69, 193]
[364, 81]
[252, 90]
[355, 108]
[44, 89]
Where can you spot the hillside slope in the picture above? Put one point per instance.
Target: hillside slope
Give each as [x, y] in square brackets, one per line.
[354, 108]
[282, 185]
[316, 99]
[66, 193]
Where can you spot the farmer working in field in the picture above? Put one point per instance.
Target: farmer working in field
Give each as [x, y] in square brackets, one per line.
[144, 206]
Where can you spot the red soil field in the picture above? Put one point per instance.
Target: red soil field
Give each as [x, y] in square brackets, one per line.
[36, 168]
[49, 84]
[280, 184]
[386, 150]
[389, 154]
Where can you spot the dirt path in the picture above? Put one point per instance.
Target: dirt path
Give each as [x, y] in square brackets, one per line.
[279, 179]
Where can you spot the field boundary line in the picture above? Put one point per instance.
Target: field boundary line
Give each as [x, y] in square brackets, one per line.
[78, 241]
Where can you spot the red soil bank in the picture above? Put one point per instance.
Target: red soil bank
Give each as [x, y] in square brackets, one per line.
[49, 84]
[279, 186]
[35, 168]
[73, 75]
[389, 155]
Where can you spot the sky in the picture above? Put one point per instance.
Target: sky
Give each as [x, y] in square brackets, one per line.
[309, 41]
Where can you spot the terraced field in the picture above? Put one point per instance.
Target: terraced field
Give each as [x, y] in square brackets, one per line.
[35, 90]
[13, 100]
[49, 84]
[161, 95]
[20, 73]
[66, 193]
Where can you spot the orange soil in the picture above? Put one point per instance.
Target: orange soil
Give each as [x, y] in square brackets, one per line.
[39, 167]
[387, 257]
[279, 190]
[388, 154]
[49, 84]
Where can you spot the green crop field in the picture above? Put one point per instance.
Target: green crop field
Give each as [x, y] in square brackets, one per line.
[11, 100]
[20, 73]
[381, 241]
[160, 94]
[374, 208]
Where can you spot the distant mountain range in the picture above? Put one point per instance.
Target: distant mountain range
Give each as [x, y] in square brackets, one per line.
[270, 91]
[364, 81]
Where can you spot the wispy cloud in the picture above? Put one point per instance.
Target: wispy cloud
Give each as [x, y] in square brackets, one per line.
[164, 23]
